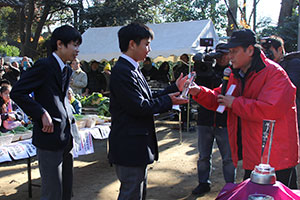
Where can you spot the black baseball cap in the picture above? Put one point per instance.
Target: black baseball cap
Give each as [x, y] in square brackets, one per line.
[198, 57]
[222, 48]
[241, 38]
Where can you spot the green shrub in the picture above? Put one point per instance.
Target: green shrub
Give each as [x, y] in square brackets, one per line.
[9, 50]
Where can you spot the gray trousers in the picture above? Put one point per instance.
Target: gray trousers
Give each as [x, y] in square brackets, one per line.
[206, 137]
[133, 182]
[56, 169]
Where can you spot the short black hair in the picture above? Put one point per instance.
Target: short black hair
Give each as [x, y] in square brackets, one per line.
[276, 41]
[4, 88]
[134, 31]
[5, 81]
[147, 59]
[66, 34]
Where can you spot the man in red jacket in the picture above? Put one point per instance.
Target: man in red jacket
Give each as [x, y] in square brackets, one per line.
[263, 91]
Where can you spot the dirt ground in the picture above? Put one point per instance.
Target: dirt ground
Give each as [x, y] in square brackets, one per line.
[173, 177]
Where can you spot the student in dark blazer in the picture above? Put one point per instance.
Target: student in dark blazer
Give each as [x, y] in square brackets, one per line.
[132, 140]
[51, 112]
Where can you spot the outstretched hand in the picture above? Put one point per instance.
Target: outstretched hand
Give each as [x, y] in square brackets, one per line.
[181, 81]
[176, 99]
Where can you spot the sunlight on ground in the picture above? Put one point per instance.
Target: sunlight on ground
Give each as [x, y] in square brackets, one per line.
[80, 163]
[107, 190]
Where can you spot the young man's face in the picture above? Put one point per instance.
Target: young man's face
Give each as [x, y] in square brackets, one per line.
[140, 52]
[241, 58]
[69, 52]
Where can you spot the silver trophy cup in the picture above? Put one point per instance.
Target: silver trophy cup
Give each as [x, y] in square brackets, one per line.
[264, 173]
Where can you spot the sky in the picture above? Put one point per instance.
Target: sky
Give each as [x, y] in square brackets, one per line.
[268, 8]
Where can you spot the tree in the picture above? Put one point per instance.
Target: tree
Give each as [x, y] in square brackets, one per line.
[8, 25]
[287, 27]
[115, 13]
[8, 50]
[184, 10]
[232, 16]
[286, 10]
[288, 31]
[32, 18]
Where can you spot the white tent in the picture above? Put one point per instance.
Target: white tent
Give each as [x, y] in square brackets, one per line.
[169, 39]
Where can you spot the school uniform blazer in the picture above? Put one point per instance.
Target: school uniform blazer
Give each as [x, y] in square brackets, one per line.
[132, 140]
[45, 80]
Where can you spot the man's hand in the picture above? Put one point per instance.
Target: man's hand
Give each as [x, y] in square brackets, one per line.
[194, 89]
[176, 100]
[225, 100]
[47, 123]
[181, 81]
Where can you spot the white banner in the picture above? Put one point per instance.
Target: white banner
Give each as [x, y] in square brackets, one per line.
[17, 151]
[86, 146]
[30, 148]
[221, 108]
[4, 156]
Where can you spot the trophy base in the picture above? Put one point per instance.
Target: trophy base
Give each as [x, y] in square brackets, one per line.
[263, 174]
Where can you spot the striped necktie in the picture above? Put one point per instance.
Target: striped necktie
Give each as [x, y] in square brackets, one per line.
[64, 78]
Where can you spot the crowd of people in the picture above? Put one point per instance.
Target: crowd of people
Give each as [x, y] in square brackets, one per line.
[11, 115]
[265, 89]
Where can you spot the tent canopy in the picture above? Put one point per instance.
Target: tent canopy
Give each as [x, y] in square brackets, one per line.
[169, 39]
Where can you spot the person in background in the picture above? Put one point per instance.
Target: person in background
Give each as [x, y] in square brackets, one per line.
[149, 71]
[11, 115]
[4, 82]
[182, 67]
[211, 124]
[163, 75]
[15, 64]
[132, 140]
[25, 64]
[263, 92]
[274, 49]
[79, 78]
[107, 73]
[12, 74]
[1, 62]
[96, 80]
[2, 71]
[53, 122]
[76, 105]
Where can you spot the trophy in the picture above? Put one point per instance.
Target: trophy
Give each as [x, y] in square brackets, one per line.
[264, 173]
[188, 83]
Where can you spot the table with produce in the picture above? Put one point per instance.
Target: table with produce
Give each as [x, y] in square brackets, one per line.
[95, 124]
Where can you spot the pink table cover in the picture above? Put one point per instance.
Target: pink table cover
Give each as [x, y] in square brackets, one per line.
[241, 191]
